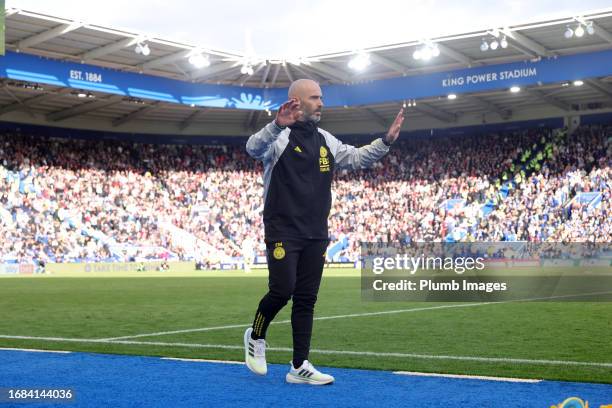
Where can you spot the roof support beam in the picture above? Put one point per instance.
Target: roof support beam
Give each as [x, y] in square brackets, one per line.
[167, 59]
[549, 99]
[83, 108]
[252, 120]
[191, 118]
[525, 45]
[245, 77]
[603, 34]
[484, 104]
[288, 72]
[31, 101]
[18, 100]
[384, 123]
[109, 48]
[599, 30]
[309, 73]
[47, 35]
[214, 70]
[456, 55]
[436, 113]
[329, 71]
[396, 66]
[136, 114]
[601, 87]
[184, 73]
[264, 77]
[247, 122]
[275, 75]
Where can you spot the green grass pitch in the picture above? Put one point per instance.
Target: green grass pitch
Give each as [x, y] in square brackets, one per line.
[99, 307]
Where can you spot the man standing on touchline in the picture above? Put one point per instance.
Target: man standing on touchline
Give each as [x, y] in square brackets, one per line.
[299, 160]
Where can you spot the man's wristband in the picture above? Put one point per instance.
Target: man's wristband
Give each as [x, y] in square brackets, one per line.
[385, 142]
[279, 126]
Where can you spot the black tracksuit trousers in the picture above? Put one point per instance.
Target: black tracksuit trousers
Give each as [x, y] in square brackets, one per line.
[295, 269]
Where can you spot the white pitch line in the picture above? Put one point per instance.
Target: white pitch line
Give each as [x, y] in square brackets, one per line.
[132, 342]
[35, 350]
[331, 352]
[365, 314]
[468, 377]
[245, 325]
[203, 360]
[202, 329]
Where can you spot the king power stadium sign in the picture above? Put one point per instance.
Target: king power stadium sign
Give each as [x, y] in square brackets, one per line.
[489, 77]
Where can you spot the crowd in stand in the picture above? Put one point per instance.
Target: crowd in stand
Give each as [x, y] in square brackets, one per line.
[538, 209]
[79, 200]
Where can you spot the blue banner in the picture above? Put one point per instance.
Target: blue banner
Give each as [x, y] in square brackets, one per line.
[93, 78]
[477, 79]
[89, 77]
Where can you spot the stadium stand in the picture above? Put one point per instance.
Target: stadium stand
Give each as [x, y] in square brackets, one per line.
[72, 200]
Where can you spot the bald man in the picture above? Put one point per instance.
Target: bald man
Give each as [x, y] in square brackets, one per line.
[299, 160]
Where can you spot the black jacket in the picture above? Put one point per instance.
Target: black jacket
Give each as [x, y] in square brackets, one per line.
[299, 162]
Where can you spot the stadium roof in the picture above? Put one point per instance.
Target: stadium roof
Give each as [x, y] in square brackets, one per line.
[68, 40]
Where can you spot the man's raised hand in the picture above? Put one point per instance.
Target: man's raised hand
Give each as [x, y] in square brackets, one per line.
[394, 130]
[288, 113]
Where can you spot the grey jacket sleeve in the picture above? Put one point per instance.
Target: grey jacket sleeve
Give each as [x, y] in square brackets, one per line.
[351, 157]
[260, 144]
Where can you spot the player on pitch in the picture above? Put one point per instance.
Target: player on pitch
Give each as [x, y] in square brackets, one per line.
[299, 160]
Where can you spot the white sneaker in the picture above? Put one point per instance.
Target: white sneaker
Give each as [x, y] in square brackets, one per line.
[307, 374]
[255, 353]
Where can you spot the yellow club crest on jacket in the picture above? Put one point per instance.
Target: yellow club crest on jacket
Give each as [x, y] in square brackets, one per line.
[279, 251]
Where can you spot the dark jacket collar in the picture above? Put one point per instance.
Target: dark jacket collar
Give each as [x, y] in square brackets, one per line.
[308, 126]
